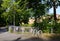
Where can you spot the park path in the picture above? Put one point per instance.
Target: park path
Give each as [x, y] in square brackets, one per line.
[6, 36]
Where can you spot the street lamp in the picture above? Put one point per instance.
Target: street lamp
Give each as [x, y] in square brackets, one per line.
[14, 19]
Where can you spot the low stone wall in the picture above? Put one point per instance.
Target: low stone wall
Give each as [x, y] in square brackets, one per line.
[25, 29]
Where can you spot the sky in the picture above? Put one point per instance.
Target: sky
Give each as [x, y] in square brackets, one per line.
[57, 10]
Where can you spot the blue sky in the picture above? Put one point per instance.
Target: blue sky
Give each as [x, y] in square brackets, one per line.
[57, 10]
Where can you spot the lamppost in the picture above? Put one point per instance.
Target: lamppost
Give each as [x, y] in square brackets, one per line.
[13, 15]
[14, 19]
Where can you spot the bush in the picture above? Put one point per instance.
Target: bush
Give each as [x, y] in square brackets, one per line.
[27, 25]
[57, 28]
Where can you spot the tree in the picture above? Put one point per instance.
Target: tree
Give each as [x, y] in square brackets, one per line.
[2, 20]
[15, 11]
[54, 4]
[49, 4]
[38, 9]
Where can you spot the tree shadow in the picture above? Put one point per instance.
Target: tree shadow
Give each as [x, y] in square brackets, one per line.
[55, 37]
[30, 39]
[3, 30]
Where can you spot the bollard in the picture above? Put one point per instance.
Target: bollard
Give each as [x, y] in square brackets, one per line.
[14, 28]
[34, 32]
[51, 30]
[17, 29]
[22, 30]
[39, 33]
[31, 30]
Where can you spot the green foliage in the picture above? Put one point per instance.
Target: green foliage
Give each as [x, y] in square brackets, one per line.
[2, 21]
[46, 24]
[19, 11]
[57, 28]
[27, 25]
[15, 8]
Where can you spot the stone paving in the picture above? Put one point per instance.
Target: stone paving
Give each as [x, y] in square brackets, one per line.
[6, 36]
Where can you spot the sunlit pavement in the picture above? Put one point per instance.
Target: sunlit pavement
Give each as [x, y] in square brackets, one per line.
[6, 36]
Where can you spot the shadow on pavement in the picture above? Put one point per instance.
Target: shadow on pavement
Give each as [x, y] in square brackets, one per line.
[30, 39]
[55, 37]
[3, 30]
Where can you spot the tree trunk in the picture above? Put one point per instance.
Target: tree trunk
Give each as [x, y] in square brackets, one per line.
[55, 18]
[54, 9]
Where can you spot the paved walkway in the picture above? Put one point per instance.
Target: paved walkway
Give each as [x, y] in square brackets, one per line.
[6, 36]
